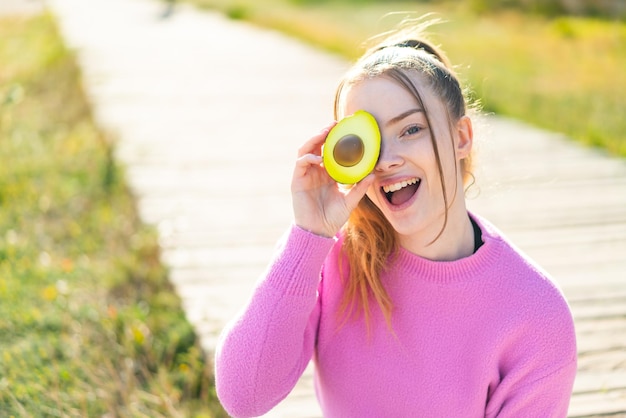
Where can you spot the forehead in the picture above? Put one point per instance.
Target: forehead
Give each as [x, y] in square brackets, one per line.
[385, 97]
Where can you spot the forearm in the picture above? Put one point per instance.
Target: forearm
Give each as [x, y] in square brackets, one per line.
[265, 350]
[548, 396]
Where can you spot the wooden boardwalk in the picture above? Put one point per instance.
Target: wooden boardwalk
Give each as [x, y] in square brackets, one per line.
[566, 206]
[209, 114]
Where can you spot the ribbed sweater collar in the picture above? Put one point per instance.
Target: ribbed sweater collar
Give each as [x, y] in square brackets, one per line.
[461, 270]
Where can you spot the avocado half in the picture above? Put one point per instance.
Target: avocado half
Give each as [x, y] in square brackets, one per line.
[351, 148]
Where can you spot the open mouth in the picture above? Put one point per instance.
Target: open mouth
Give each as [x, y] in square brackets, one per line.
[400, 193]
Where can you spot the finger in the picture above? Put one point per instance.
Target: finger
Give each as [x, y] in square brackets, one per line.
[356, 192]
[305, 162]
[314, 144]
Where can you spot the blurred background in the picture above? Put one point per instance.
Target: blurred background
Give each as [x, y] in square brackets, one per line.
[559, 64]
[90, 323]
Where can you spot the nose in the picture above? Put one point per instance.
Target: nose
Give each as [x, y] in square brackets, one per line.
[388, 158]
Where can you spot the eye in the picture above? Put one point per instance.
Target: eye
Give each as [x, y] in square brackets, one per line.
[412, 130]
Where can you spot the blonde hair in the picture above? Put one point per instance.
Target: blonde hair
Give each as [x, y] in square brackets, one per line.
[370, 240]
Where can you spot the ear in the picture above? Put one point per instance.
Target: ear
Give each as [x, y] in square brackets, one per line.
[465, 137]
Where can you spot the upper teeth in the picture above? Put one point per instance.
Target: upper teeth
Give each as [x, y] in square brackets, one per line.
[397, 186]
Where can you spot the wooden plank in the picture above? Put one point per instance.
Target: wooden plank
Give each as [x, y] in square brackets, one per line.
[603, 309]
[598, 404]
[600, 381]
[606, 359]
[615, 325]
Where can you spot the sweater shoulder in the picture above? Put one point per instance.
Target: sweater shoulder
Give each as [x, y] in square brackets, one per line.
[526, 288]
[513, 261]
[525, 284]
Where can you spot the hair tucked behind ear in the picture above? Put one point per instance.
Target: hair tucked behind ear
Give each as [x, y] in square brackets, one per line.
[370, 239]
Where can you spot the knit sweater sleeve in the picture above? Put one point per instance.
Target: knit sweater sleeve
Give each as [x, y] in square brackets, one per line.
[262, 353]
[547, 396]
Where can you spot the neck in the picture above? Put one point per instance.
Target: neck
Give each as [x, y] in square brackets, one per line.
[455, 242]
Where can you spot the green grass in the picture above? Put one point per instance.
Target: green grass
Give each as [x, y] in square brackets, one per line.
[565, 74]
[89, 325]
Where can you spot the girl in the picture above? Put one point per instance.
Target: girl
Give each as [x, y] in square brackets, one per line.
[409, 305]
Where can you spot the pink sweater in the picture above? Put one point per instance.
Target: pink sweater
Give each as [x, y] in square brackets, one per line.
[485, 336]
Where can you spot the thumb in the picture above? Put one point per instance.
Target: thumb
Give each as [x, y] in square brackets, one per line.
[356, 192]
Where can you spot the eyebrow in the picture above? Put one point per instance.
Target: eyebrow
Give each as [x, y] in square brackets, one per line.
[403, 115]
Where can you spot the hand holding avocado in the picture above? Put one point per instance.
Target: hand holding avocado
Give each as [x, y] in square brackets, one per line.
[319, 205]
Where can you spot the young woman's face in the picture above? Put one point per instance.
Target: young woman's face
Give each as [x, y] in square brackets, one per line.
[408, 185]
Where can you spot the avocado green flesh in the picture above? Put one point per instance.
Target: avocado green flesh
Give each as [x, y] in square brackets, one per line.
[351, 148]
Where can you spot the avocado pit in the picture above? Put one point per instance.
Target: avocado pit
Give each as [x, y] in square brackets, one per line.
[349, 150]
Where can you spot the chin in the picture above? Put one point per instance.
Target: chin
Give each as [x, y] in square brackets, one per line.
[407, 227]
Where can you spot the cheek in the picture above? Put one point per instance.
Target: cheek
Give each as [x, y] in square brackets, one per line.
[449, 183]
[446, 163]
